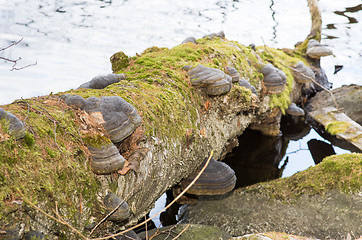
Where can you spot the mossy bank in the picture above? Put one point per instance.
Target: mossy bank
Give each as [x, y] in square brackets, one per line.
[321, 202]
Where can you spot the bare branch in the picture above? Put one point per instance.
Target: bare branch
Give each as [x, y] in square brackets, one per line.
[16, 60]
[13, 44]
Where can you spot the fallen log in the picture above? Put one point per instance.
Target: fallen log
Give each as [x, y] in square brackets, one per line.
[163, 119]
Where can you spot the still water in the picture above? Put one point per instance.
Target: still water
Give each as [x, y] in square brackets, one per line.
[71, 41]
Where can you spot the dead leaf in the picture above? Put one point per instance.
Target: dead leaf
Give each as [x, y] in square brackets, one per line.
[207, 105]
[4, 137]
[136, 157]
[203, 132]
[125, 168]
[98, 117]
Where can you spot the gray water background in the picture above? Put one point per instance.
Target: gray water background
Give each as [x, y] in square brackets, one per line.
[72, 40]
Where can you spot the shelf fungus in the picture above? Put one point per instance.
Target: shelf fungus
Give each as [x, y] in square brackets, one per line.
[214, 81]
[302, 73]
[316, 50]
[189, 40]
[294, 110]
[274, 79]
[16, 127]
[118, 117]
[217, 179]
[101, 82]
[233, 73]
[111, 202]
[105, 158]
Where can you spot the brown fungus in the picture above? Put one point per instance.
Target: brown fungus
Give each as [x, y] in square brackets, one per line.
[214, 81]
[118, 117]
[274, 79]
[233, 73]
[316, 50]
[294, 110]
[302, 73]
[105, 158]
[101, 82]
[16, 127]
[217, 179]
[112, 201]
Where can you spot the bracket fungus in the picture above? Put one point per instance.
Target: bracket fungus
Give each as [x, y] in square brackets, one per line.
[101, 82]
[189, 39]
[118, 117]
[294, 110]
[16, 127]
[111, 201]
[302, 73]
[220, 34]
[274, 79]
[233, 73]
[105, 158]
[217, 179]
[316, 50]
[215, 81]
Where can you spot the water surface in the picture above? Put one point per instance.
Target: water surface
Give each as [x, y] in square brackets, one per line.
[73, 40]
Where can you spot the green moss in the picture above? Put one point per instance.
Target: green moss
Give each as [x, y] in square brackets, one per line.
[48, 164]
[96, 141]
[340, 172]
[119, 61]
[29, 139]
[336, 127]
[160, 89]
[282, 61]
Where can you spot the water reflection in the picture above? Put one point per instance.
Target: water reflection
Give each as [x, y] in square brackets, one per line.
[275, 22]
[257, 158]
[320, 149]
[350, 10]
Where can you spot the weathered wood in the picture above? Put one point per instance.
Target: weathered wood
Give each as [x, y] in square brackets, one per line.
[316, 28]
[339, 124]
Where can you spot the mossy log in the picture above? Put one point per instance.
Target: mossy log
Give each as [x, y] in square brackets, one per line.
[181, 125]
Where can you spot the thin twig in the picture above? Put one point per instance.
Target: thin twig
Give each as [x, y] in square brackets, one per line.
[15, 61]
[188, 225]
[70, 226]
[146, 228]
[169, 205]
[314, 81]
[14, 43]
[169, 231]
[27, 115]
[59, 219]
[29, 65]
[115, 209]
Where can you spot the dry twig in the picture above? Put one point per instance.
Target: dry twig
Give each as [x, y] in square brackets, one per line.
[188, 225]
[315, 82]
[15, 61]
[169, 205]
[61, 220]
[115, 209]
